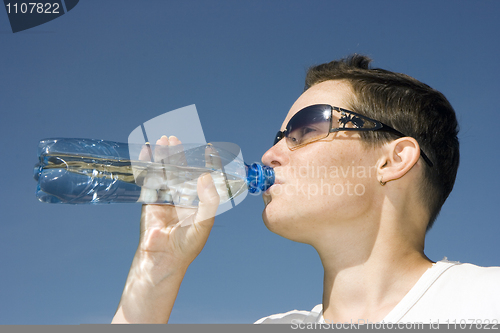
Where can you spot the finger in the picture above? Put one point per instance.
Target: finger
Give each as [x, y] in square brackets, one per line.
[147, 194]
[177, 156]
[152, 178]
[174, 140]
[161, 158]
[161, 149]
[169, 153]
[209, 201]
[186, 185]
[146, 153]
[139, 168]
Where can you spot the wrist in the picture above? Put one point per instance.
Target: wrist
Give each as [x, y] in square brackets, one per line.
[150, 290]
[154, 267]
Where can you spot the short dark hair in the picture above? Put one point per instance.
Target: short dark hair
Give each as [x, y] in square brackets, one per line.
[409, 106]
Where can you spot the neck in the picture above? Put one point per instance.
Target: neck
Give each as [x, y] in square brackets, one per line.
[368, 272]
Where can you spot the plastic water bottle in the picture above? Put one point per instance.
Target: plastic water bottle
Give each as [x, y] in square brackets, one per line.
[88, 171]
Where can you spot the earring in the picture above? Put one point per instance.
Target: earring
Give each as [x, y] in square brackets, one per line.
[381, 182]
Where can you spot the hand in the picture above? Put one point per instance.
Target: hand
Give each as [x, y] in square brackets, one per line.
[172, 236]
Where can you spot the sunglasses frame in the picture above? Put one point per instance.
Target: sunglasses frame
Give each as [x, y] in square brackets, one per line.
[350, 117]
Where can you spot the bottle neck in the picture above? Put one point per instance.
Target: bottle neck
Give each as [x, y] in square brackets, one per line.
[259, 177]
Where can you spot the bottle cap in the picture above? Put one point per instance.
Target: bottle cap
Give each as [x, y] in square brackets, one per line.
[259, 177]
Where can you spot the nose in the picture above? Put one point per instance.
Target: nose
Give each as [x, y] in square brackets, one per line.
[277, 155]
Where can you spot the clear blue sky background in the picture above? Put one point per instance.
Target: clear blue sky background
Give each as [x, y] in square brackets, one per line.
[107, 66]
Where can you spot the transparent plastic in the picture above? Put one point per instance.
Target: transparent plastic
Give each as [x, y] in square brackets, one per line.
[88, 171]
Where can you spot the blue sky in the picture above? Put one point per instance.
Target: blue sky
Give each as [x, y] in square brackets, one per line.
[107, 66]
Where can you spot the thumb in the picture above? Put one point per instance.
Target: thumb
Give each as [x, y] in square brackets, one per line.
[209, 200]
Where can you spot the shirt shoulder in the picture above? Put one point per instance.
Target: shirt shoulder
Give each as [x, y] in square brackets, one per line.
[460, 291]
[471, 280]
[294, 316]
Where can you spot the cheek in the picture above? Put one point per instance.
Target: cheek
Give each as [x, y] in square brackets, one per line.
[327, 185]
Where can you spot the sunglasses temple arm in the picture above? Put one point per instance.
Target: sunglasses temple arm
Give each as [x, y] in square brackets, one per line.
[426, 159]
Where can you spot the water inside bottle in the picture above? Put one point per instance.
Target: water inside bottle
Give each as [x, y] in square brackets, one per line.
[157, 182]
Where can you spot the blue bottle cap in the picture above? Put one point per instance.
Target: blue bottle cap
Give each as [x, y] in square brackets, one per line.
[259, 177]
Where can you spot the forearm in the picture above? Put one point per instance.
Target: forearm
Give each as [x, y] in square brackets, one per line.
[150, 291]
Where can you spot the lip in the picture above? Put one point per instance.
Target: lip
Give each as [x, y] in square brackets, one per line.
[276, 182]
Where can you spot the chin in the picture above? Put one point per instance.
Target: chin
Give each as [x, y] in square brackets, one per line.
[283, 226]
[271, 221]
[265, 218]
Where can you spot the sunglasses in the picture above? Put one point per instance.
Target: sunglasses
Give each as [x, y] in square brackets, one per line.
[317, 121]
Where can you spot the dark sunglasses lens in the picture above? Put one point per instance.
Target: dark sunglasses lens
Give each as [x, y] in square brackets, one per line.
[308, 125]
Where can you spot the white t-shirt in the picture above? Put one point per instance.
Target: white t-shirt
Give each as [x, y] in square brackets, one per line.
[445, 293]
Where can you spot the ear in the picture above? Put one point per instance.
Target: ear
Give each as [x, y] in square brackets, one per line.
[398, 158]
